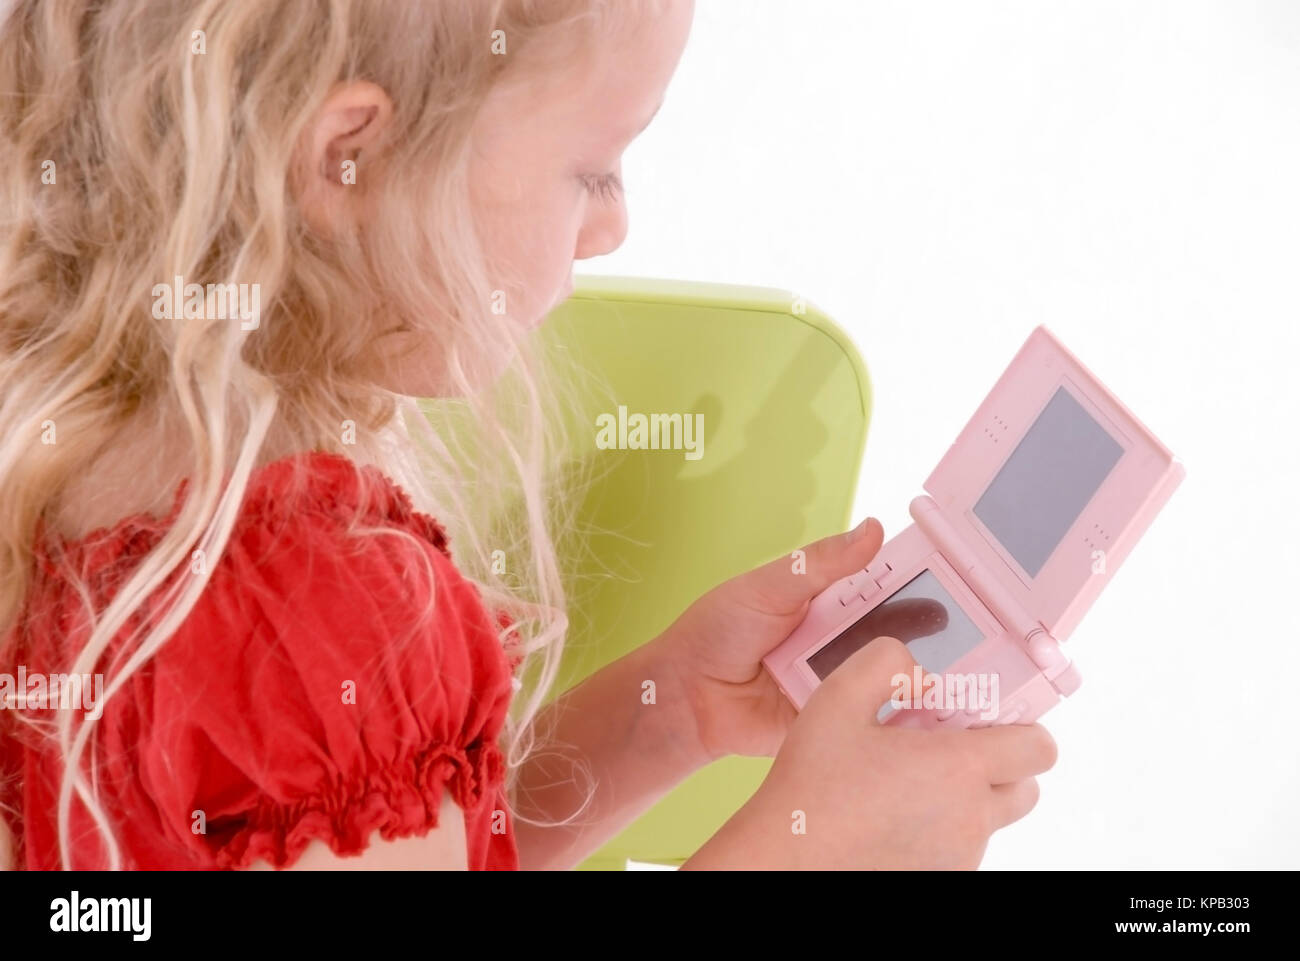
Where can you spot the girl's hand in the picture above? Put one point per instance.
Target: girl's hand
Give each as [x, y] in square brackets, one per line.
[848, 793]
[718, 644]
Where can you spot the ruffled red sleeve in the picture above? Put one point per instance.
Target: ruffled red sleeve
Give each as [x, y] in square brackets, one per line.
[327, 687]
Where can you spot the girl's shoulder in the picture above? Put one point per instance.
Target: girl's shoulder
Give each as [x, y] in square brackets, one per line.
[315, 487]
[335, 673]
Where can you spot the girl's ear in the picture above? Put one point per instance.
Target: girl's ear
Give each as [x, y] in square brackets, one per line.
[332, 151]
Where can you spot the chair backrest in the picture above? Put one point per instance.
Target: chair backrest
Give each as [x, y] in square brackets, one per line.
[785, 402]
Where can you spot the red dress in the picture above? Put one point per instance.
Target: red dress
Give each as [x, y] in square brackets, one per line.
[302, 698]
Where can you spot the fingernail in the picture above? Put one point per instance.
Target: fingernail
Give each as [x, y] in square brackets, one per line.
[861, 529]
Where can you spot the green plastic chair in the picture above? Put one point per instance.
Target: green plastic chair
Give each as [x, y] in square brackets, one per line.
[786, 403]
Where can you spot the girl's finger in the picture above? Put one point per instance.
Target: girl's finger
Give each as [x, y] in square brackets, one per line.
[788, 582]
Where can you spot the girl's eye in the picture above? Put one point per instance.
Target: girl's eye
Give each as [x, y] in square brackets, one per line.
[607, 187]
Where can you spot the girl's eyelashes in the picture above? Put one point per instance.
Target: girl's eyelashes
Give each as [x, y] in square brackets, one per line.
[607, 187]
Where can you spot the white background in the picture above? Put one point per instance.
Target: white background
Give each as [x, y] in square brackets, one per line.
[940, 177]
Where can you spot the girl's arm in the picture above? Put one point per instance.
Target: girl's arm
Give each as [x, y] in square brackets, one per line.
[634, 753]
[442, 849]
[712, 699]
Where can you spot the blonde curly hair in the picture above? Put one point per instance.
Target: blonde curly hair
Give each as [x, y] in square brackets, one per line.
[170, 165]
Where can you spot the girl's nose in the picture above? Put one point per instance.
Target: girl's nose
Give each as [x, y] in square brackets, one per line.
[604, 230]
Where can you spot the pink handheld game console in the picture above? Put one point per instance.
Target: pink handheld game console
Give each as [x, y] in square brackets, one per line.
[1030, 512]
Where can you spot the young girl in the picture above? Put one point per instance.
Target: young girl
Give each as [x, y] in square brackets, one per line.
[239, 238]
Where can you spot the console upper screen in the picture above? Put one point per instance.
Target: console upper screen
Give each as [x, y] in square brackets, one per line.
[1047, 481]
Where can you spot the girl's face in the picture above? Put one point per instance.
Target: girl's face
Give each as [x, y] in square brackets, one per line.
[547, 152]
[545, 157]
